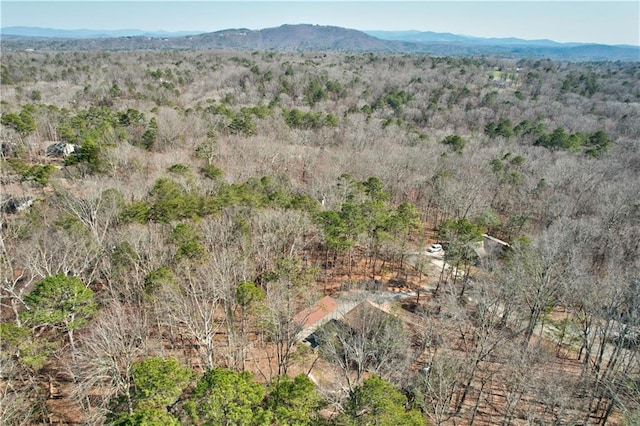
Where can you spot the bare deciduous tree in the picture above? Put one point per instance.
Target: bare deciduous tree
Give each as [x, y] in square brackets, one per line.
[117, 338]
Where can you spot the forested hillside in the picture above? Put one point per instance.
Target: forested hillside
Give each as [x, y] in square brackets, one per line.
[171, 219]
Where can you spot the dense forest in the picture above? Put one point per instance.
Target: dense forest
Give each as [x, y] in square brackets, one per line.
[170, 221]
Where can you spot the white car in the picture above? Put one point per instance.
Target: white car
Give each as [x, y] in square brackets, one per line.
[433, 248]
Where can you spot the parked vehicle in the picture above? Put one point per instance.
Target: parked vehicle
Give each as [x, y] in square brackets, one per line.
[433, 248]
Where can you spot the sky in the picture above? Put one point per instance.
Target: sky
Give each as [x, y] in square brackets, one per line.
[607, 22]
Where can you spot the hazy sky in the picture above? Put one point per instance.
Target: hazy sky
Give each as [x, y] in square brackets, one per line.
[610, 22]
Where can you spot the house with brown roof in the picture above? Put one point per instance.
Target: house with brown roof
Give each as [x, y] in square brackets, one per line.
[319, 314]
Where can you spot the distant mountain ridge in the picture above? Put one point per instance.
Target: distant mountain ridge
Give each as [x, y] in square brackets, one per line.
[306, 37]
[87, 33]
[295, 37]
[433, 37]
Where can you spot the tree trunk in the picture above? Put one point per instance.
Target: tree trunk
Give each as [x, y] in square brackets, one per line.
[531, 325]
[467, 386]
[475, 407]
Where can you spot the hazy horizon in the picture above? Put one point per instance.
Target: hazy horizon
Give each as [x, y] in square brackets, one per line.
[617, 23]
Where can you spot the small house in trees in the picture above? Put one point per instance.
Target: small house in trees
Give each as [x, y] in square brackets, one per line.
[491, 247]
[12, 204]
[60, 150]
[319, 314]
[351, 314]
